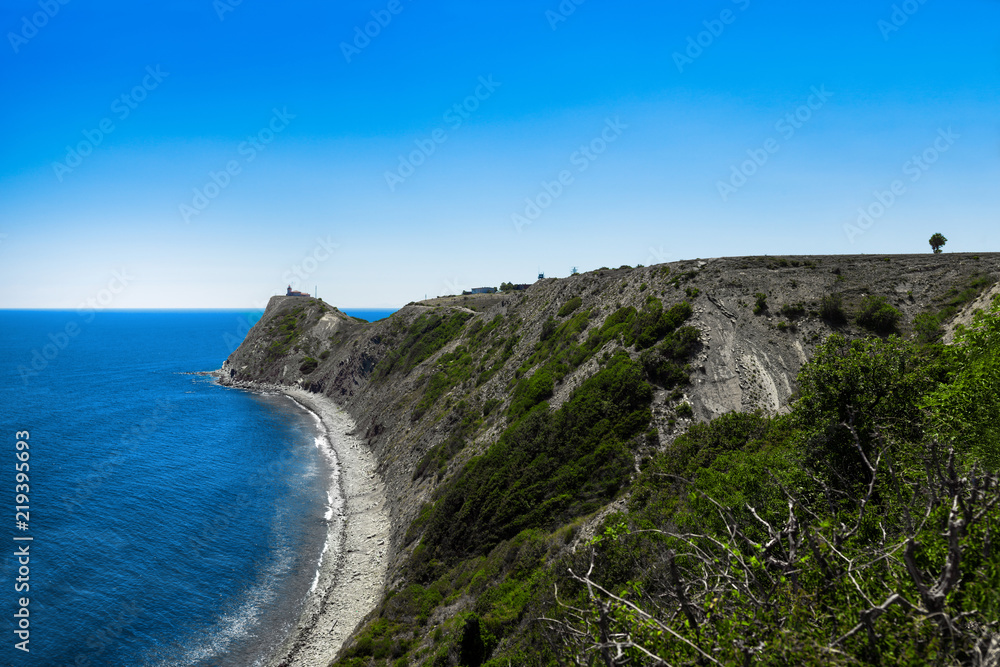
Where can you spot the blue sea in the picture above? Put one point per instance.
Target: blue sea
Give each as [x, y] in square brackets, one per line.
[368, 314]
[172, 521]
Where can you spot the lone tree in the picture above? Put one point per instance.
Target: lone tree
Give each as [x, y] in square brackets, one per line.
[937, 241]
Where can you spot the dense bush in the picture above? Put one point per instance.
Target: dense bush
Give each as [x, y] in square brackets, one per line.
[570, 306]
[742, 544]
[966, 407]
[792, 311]
[877, 314]
[854, 393]
[760, 303]
[831, 309]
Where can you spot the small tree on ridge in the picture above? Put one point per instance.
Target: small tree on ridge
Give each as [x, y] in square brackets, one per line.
[937, 242]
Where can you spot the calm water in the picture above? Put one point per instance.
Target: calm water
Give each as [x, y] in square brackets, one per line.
[369, 314]
[175, 522]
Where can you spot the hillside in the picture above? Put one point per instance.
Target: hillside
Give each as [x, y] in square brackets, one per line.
[506, 427]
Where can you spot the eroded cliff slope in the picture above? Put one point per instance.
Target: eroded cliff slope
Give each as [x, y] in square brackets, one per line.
[642, 352]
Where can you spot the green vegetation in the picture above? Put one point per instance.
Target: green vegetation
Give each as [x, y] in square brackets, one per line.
[967, 405]
[308, 365]
[792, 311]
[493, 528]
[848, 532]
[855, 530]
[831, 309]
[284, 333]
[760, 305]
[546, 468]
[927, 325]
[559, 350]
[877, 315]
[570, 306]
[937, 242]
[428, 334]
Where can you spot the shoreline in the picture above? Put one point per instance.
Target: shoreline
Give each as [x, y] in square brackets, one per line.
[351, 573]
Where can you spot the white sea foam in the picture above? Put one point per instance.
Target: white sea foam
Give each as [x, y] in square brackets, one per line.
[240, 622]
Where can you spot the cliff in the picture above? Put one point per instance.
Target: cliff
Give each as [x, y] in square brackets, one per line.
[441, 386]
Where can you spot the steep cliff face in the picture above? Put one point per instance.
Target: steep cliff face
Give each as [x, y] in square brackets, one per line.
[440, 381]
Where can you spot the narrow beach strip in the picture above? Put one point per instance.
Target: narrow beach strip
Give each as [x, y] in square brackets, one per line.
[352, 570]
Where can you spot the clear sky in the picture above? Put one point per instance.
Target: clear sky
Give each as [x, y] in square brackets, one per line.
[186, 153]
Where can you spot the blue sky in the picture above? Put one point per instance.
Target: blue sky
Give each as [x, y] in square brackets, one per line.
[212, 152]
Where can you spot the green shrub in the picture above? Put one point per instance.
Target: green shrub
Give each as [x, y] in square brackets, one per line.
[308, 365]
[531, 391]
[866, 389]
[548, 328]
[877, 314]
[831, 309]
[968, 404]
[570, 306]
[685, 410]
[792, 311]
[760, 306]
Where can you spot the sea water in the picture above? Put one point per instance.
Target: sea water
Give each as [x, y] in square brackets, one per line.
[173, 521]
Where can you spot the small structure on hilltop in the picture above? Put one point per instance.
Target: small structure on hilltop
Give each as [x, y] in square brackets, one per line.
[512, 287]
[483, 290]
[292, 292]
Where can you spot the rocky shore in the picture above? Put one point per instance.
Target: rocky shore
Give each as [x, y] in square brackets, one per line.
[352, 571]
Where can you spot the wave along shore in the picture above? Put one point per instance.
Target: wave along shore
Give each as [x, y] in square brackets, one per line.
[352, 569]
